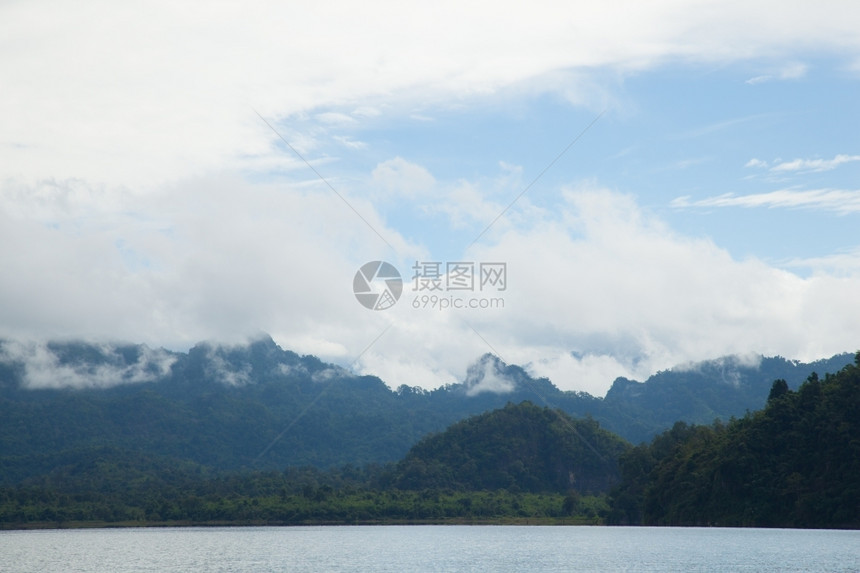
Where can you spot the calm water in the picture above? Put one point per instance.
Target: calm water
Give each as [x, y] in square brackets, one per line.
[428, 548]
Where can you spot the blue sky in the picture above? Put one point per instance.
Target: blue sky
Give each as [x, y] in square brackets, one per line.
[709, 205]
[677, 137]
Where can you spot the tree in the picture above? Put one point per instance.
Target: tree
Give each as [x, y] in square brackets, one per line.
[779, 388]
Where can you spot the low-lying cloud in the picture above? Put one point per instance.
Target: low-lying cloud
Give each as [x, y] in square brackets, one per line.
[598, 288]
[47, 366]
[486, 376]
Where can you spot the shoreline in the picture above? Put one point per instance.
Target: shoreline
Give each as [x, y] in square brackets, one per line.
[537, 521]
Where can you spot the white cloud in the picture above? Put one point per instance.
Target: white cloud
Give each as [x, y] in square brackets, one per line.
[484, 203]
[210, 259]
[791, 71]
[835, 200]
[729, 366]
[759, 79]
[43, 368]
[146, 93]
[403, 178]
[335, 118]
[755, 163]
[610, 282]
[347, 141]
[590, 373]
[122, 215]
[843, 264]
[467, 203]
[329, 374]
[218, 368]
[485, 376]
[366, 111]
[618, 283]
[814, 165]
[685, 163]
[598, 275]
[712, 128]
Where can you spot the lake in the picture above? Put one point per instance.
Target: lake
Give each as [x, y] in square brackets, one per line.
[428, 548]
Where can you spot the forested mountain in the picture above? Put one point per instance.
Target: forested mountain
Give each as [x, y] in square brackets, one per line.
[518, 448]
[258, 406]
[796, 463]
[793, 464]
[703, 392]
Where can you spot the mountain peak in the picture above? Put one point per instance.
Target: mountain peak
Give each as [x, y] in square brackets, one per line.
[488, 374]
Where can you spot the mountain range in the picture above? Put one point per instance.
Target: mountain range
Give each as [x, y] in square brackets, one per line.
[258, 406]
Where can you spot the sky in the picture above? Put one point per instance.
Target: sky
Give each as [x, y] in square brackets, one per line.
[655, 183]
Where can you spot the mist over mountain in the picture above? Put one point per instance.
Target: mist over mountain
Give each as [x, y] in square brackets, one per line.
[260, 406]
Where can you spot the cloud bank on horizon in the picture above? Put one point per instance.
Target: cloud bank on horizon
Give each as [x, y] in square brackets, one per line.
[711, 209]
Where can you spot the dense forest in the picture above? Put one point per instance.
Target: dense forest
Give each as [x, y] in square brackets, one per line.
[113, 487]
[795, 463]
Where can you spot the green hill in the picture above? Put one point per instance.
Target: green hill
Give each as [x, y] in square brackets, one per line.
[520, 448]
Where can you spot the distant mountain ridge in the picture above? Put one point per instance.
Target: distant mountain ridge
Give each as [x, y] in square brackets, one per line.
[260, 406]
[702, 392]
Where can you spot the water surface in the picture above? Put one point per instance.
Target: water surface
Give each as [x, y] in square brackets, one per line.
[428, 548]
